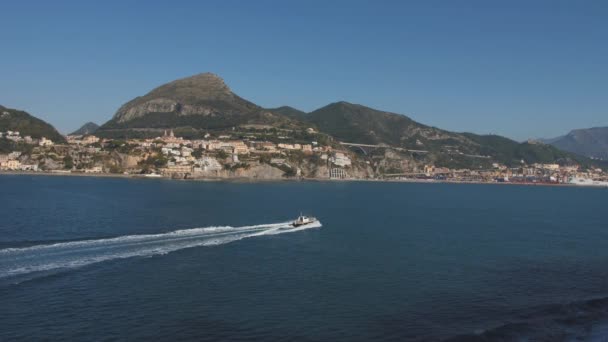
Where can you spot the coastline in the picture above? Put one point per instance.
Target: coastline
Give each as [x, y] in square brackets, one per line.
[271, 180]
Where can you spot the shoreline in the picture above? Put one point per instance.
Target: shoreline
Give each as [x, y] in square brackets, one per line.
[269, 180]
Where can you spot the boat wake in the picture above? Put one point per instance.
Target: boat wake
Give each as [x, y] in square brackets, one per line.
[16, 262]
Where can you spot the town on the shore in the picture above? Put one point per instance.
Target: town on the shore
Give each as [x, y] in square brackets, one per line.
[249, 156]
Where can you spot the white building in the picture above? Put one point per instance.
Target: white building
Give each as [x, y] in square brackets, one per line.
[11, 165]
[14, 155]
[340, 159]
[207, 164]
[45, 142]
[90, 139]
[29, 167]
[94, 169]
[186, 151]
[13, 135]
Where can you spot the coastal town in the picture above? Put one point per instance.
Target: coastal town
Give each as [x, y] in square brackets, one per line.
[247, 155]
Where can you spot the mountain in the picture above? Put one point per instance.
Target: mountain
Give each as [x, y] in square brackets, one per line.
[590, 142]
[359, 124]
[289, 112]
[87, 128]
[26, 124]
[511, 152]
[194, 103]
[356, 123]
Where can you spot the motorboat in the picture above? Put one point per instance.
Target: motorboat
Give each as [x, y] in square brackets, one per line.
[303, 220]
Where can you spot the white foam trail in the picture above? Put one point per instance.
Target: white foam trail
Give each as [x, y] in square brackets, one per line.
[20, 261]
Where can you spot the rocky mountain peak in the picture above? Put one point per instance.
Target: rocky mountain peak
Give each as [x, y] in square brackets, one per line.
[198, 101]
[198, 94]
[202, 82]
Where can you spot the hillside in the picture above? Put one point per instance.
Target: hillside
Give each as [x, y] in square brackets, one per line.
[359, 124]
[289, 112]
[511, 152]
[356, 123]
[87, 128]
[196, 103]
[26, 124]
[590, 142]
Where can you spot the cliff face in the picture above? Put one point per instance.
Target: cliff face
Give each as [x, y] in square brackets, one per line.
[202, 101]
[161, 105]
[256, 171]
[261, 171]
[200, 94]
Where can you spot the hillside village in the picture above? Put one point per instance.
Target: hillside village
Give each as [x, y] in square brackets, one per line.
[175, 157]
[197, 128]
[244, 155]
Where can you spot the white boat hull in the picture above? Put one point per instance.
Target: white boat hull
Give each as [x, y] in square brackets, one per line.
[303, 221]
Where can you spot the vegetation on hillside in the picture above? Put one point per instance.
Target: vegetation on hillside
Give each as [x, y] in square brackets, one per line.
[289, 112]
[512, 153]
[26, 124]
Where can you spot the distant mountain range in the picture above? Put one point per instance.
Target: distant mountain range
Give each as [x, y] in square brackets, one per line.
[87, 128]
[590, 142]
[194, 105]
[26, 124]
[203, 102]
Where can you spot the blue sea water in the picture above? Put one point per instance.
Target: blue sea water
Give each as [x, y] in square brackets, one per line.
[126, 259]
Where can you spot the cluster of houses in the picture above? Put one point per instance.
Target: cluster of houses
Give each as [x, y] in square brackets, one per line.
[535, 173]
[208, 155]
[11, 162]
[179, 152]
[238, 147]
[181, 160]
[82, 140]
[15, 136]
[87, 153]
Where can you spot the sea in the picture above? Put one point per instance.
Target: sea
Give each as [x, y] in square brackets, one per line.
[114, 259]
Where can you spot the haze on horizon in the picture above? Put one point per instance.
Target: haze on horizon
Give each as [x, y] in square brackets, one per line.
[518, 69]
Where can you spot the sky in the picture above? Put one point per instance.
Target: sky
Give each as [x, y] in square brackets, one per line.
[522, 69]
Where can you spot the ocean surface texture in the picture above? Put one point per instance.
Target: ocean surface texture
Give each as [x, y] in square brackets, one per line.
[118, 259]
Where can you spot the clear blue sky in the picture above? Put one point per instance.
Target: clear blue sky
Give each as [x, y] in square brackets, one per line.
[517, 68]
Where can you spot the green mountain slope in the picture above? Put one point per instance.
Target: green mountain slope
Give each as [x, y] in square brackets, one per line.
[26, 124]
[511, 152]
[359, 124]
